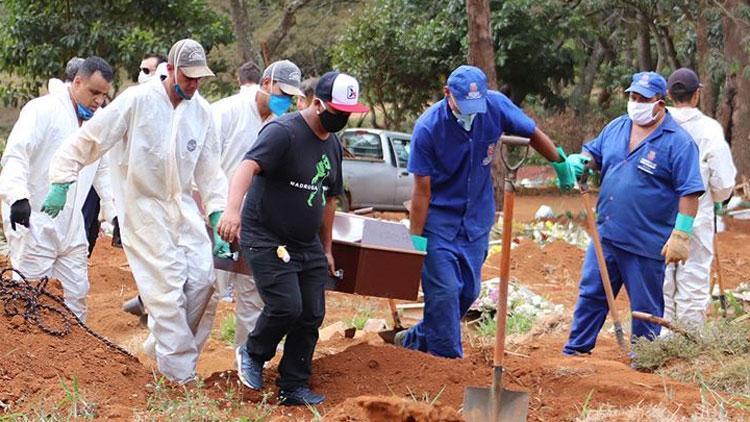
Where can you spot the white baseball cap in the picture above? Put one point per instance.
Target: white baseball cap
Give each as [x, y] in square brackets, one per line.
[341, 92]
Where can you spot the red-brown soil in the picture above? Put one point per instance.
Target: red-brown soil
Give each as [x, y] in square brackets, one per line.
[379, 408]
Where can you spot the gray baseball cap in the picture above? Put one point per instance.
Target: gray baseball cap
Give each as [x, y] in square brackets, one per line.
[287, 75]
[188, 55]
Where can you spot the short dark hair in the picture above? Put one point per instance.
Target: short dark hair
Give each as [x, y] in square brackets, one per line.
[308, 88]
[680, 94]
[249, 73]
[71, 68]
[159, 58]
[95, 64]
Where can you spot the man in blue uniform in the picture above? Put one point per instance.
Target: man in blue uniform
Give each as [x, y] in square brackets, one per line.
[651, 182]
[453, 205]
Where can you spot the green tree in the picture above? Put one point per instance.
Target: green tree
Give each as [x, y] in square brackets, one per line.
[37, 37]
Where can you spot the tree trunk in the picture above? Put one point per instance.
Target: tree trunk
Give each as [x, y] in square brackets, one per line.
[672, 60]
[238, 10]
[708, 92]
[645, 59]
[582, 91]
[736, 107]
[286, 23]
[481, 50]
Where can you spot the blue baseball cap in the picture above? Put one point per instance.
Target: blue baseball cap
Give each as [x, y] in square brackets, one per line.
[648, 84]
[468, 85]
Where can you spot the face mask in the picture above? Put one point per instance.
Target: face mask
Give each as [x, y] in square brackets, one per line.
[332, 123]
[142, 77]
[180, 92]
[641, 113]
[84, 113]
[279, 104]
[465, 120]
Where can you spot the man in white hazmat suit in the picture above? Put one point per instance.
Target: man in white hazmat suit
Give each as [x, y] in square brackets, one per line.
[46, 247]
[162, 139]
[238, 119]
[686, 295]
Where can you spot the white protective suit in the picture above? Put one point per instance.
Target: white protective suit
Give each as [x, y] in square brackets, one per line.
[58, 247]
[238, 122]
[685, 300]
[156, 152]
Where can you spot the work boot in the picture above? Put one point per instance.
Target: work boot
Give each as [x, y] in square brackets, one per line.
[134, 306]
[249, 370]
[300, 396]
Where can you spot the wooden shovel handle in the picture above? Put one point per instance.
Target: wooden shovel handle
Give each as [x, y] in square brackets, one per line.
[394, 314]
[502, 294]
[594, 233]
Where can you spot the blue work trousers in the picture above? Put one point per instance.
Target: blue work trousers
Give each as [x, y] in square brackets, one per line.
[643, 278]
[451, 281]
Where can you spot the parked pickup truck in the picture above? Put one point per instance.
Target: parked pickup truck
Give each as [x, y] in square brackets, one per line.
[374, 169]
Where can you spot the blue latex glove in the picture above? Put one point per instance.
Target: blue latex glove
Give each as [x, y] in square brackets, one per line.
[55, 200]
[565, 179]
[419, 242]
[221, 248]
[577, 163]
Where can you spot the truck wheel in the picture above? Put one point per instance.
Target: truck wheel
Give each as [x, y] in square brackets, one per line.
[343, 203]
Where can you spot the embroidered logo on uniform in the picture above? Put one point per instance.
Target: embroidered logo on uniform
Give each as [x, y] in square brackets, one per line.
[647, 163]
[651, 155]
[191, 145]
[490, 155]
[473, 93]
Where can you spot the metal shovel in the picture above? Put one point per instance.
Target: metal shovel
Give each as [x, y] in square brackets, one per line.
[483, 404]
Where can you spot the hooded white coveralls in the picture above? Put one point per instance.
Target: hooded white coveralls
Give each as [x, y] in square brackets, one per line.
[238, 122]
[157, 151]
[686, 300]
[56, 248]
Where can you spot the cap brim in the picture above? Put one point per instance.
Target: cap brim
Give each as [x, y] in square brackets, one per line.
[290, 89]
[647, 93]
[349, 108]
[472, 106]
[197, 71]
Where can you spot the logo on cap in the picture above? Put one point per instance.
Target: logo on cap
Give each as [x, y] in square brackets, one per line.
[351, 92]
[644, 80]
[295, 76]
[473, 93]
[196, 55]
[191, 145]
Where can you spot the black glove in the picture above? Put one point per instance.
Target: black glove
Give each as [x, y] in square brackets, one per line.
[116, 240]
[20, 212]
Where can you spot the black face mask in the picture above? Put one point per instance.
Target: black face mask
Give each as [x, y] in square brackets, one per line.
[333, 122]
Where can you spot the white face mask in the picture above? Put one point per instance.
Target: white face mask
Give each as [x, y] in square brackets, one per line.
[142, 77]
[641, 114]
[465, 120]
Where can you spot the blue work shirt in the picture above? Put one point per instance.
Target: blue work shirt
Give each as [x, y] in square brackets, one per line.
[459, 164]
[640, 190]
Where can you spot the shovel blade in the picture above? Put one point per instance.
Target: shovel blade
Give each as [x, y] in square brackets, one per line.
[388, 336]
[486, 404]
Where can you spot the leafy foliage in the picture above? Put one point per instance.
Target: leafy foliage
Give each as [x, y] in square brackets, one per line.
[38, 37]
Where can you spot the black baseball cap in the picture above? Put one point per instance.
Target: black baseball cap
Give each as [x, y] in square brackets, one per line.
[684, 77]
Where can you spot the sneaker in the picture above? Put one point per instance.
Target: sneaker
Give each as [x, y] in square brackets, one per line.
[575, 353]
[399, 338]
[300, 396]
[249, 370]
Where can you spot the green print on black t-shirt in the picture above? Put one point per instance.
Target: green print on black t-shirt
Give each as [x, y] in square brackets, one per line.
[322, 169]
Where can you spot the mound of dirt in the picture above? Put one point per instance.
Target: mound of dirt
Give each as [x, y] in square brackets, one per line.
[378, 408]
[37, 368]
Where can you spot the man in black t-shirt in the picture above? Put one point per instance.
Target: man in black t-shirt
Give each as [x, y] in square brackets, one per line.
[293, 173]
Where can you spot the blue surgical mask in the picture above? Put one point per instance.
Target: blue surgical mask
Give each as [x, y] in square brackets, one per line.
[180, 92]
[84, 113]
[465, 120]
[279, 104]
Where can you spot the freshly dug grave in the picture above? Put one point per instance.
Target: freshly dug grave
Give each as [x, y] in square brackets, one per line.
[37, 368]
[394, 409]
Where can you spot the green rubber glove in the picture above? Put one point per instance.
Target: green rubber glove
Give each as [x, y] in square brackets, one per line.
[419, 242]
[577, 163]
[221, 248]
[565, 179]
[55, 200]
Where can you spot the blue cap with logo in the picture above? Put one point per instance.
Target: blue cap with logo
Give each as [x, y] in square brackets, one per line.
[648, 84]
[468, 85]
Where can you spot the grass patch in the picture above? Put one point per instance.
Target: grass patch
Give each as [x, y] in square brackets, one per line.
[426, 397]
[517, 323]
[360, 318]
[719, 358]
[227, 328]
[73, 406]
